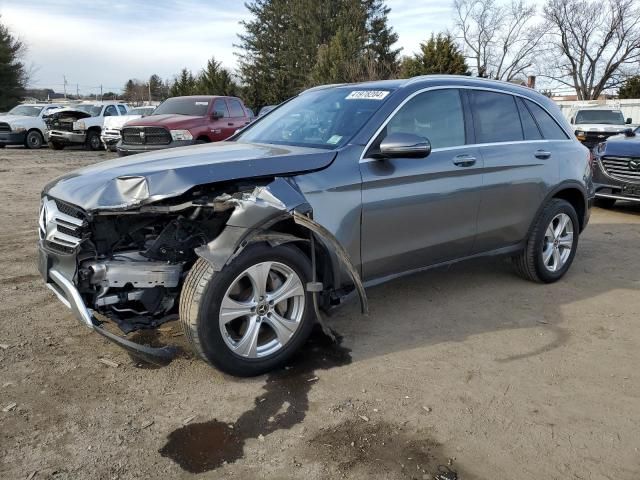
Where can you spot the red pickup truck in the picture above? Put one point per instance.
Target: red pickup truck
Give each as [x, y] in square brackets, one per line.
[180, 121]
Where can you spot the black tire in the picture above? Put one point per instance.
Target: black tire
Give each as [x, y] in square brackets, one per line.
[529, 263]
[93, 141]
[200, 305]
[604, 202]
[56, 145]
[34, 140]
[2, 145]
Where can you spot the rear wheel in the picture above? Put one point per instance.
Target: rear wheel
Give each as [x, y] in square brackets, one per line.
[56, 145]
[254, 314]
[552, 244]
[93, 141]
[34, 139]
[604, 202]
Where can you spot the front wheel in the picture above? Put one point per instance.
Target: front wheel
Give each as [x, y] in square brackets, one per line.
[93, 141]
[551, 245]
[34, 139]
[254, 314]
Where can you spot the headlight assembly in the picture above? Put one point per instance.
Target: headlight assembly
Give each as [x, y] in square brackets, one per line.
[177, 135]
[79, 125]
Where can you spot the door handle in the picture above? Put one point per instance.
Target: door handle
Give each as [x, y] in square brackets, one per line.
[464, 160]
[542, 154]
[230, 124]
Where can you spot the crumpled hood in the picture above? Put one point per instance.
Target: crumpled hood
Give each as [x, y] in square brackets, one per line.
[169, 121]
[622, 146]
[132, 181]
[600, 127]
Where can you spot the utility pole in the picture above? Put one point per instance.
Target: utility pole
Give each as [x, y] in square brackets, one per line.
[65, 86]
[77, 91]
[149, 85]
[100, 92]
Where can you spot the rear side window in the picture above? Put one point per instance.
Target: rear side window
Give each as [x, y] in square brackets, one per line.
[495, 117]
[548, 126]
[435, 115]
[220, 107]
[529, 127]
[235, 109]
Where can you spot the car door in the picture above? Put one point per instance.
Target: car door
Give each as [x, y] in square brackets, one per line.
[518, 166]
[421, 211]
[219, 127]
[237, 116]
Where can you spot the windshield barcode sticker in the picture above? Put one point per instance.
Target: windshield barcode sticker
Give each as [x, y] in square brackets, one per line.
[202, 103]
[367, 95]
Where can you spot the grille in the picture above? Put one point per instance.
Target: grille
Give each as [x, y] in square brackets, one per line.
[62, 226]
[619, 167]
[4, 127]
[146, 136]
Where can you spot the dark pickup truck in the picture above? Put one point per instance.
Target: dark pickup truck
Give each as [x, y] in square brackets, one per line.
[181, 121]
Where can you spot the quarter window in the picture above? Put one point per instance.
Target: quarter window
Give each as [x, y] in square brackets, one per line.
[496, 117]
[549, 127]
[531, 131]
[235, 109]
[435, 115]
[220, 107]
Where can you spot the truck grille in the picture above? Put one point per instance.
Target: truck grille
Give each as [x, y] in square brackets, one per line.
[4, 127]
[61, 226]
[626, 169]
[146, 136]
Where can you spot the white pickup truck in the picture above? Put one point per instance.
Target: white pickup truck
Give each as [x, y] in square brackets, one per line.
[24, 125]
[111, 130]
[81, 124]
[594, 124]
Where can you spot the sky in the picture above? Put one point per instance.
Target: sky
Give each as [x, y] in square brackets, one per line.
[107, 42]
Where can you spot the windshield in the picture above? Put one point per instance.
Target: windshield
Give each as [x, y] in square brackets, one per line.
[322, 119]
[26, 110]
[608, 117]
[93, 110]
[140, 111]
[197, 107]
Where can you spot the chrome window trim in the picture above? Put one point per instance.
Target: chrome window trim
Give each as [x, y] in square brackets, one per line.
[466, 145]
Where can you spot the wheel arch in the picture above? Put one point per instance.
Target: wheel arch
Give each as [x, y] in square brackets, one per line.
[572, 192]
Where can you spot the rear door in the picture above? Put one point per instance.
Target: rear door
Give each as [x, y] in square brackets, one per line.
[219, 128]
[422, 211]
[519, 165]
[238, 118]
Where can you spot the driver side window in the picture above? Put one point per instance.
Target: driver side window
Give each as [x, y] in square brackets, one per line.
[436, 115]
[111, 111]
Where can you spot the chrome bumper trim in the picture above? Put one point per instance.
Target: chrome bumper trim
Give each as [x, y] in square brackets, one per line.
[617, 197]
[70, 297]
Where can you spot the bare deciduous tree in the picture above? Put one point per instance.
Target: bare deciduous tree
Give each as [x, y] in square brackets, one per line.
[501, 41]
[594, 45]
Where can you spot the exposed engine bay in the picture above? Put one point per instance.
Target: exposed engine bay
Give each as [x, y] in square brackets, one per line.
[64, 119]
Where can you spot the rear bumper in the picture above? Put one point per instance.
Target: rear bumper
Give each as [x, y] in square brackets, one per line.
[57, 280]
[67, 138]
[129, 149]
[12, 138]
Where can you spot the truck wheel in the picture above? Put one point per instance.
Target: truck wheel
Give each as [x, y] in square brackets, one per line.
[93, 141]
[604, 202]
[552, 244]
[56, 145]
[2, 145]
[34, 140]
[254, 314]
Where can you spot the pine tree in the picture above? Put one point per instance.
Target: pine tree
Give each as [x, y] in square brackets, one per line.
[630, 88]
[439, 54]
[216, 80]
[13, 75]
[184, 84]
[130, 92]
[156, 88]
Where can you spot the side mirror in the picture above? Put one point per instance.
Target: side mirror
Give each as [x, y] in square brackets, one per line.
[404, 145]
[572, 120]
[628, 121]
[629, 132]
[216, 115]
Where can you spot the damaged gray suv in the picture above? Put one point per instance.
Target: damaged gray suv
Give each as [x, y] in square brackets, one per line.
[248, 241]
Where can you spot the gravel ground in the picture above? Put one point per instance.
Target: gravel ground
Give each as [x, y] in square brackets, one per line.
[468, 366]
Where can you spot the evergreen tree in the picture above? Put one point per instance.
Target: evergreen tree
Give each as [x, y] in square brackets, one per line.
[439, 54]
[130, 92]
[216, 80]
[184, 84]
[156, 88]
[13, 76]
[630, 88]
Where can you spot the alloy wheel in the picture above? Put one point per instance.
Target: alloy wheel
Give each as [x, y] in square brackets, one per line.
[558, 242]
[262, 309]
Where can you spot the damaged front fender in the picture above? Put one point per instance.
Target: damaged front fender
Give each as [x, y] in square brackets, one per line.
[253, 214]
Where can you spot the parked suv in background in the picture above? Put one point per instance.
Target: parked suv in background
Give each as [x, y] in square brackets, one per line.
[617, 169]
[24, 125]
[181, 121]
[111, 130]
[595, 124]
[341, 187]
[81, 124]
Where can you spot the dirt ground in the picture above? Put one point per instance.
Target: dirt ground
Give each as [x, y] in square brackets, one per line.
[469, 366]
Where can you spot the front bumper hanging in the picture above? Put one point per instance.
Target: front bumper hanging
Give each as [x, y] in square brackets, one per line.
[69, 295]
